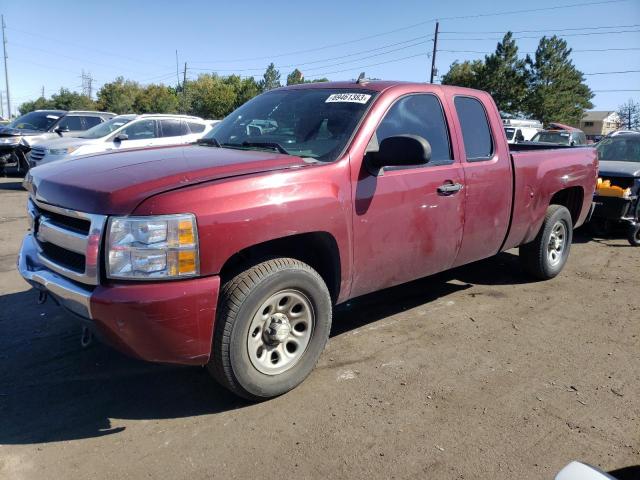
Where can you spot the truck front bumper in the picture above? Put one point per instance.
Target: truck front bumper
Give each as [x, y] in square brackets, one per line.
[168, 322]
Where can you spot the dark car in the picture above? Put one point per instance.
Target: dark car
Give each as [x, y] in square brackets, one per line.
[17, 137]
[561, 137]
[618, 196]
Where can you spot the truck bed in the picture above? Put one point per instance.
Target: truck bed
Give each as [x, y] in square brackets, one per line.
[538, 173]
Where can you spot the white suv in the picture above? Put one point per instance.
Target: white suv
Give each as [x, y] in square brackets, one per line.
[122, 132]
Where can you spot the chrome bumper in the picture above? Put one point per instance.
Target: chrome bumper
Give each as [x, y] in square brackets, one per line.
[69, 294]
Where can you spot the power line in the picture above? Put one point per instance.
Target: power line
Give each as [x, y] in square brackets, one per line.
[548, 30]
[531, 53]
[586, 34]
[616, 90]
[370, 65]
[296, 65]
[432, 20]
[612, 73]
[427, 38]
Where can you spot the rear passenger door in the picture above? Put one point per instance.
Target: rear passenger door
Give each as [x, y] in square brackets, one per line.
[406, 225]
[488, 178]
[140, 133]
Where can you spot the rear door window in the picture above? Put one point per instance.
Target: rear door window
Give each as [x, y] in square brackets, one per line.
[476, 133]
[173, 128]
[141, 130]
[91, 122]
[422, 115]
[71, 123]
[196, 127]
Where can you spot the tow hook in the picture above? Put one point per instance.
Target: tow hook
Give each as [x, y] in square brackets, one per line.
[86, 338]
[42, 297]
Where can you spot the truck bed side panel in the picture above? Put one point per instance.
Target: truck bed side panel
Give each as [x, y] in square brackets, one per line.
[539, 175]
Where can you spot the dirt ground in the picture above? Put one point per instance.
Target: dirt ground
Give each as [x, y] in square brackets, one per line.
[478, 373]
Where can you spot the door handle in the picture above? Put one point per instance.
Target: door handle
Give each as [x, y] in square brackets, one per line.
[449, 188]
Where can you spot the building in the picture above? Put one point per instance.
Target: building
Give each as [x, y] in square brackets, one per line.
[598, 123]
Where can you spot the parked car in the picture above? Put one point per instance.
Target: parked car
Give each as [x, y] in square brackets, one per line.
[618, 194]
[231, 253]
[559, 134]
[19, 136]
[520, 130]
[123, 132]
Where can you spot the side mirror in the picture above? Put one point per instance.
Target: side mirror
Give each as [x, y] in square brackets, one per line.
[61, 130]
[120, 137]
[401, 150]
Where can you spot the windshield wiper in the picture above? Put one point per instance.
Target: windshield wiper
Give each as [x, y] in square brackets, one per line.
[272, 145]
[209, 141]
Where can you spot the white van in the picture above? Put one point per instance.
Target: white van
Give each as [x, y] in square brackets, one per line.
[520, 130]
[123, 132]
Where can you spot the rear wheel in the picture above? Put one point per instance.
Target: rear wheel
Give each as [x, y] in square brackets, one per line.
[546, 255]
[633, 234]
[273, 323]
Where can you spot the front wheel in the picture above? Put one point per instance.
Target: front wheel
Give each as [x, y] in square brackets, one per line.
[546, 255]
[273, 323]
[633, 234]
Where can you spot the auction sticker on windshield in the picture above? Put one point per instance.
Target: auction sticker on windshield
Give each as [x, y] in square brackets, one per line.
[348, 97]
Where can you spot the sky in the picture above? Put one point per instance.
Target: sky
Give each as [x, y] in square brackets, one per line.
[50, 43]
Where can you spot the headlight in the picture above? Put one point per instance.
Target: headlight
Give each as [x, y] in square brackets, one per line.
[61, 151]
[10, 140]
[158, 247]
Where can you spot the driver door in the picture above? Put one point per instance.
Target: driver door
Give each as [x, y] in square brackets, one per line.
[406, 225]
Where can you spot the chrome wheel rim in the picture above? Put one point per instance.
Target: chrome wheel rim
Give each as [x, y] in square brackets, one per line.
[557, 243]
[280, 332]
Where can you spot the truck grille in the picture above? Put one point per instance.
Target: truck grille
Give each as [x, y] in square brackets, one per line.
[36, 154]
[68, 241]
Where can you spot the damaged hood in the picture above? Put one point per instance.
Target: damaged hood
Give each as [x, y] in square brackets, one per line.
[116, 183]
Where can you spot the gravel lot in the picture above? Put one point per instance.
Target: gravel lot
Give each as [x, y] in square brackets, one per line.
[475, 373]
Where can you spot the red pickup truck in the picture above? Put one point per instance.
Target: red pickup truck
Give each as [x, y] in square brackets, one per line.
[232, 253]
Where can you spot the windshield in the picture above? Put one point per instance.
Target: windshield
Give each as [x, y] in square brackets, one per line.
[561, 138]
[624, 148]
[315, 123]
[104, 129]
[509, 132]
[41, 121]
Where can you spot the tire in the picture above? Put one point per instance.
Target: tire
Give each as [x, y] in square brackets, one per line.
[633, 234]
[261, 317]
[540, 258]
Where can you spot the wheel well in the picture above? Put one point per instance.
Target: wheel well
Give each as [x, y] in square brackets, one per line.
[572, 199]
[319, 250]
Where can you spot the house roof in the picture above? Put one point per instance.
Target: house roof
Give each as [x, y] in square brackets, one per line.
[596, 115]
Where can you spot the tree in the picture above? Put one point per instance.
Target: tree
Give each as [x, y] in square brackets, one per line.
[557, 92]
[156, 99]
[270, 79]
[629, 113]
[68, 100]
[295, 77]
[212, 96]
[38, 104]
[504, 76]
[466, 74]
[118, 96]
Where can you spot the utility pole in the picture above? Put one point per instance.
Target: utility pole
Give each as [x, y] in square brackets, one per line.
[177, 72]
[1, 106]
[6, 71]
[184, 89]
[629, 117]
[42, 94]
[87, 84]
[433, 57]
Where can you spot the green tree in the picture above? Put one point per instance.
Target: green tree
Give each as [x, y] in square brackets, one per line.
[557, 92]
[466, 74]
[295, 77]
[118, 96]
[156, 99]
[68, 100]
[38, 104]
[211, 96]
[270, 79]
[504, 76]
[629, 113]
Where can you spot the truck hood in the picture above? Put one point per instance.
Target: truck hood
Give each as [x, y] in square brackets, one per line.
[15, 132]
[619, 169]
[116, 183]
[64, 142]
